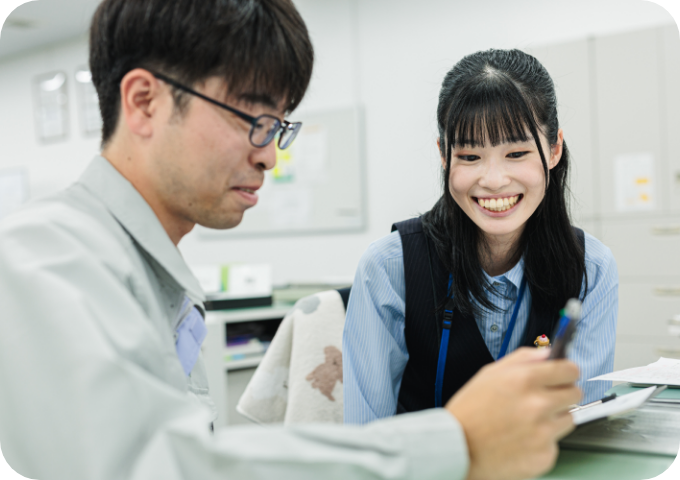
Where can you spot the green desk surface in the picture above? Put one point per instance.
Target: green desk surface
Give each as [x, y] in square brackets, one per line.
[574, 464]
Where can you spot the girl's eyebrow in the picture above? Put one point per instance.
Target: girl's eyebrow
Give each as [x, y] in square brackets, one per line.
[521, 142]
[526, 144]
[522, 145]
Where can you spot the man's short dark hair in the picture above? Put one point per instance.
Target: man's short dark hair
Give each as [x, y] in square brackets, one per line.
[261, 48]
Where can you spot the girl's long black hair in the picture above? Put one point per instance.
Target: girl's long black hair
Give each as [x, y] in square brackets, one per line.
[499, 96]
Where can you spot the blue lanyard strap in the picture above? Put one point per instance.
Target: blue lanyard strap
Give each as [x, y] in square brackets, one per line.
[443, 346]
[513, 319]
[446, 332]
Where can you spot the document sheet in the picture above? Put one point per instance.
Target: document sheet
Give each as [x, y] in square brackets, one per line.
[665, 371]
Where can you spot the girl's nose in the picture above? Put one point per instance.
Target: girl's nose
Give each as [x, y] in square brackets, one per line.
[494, 177]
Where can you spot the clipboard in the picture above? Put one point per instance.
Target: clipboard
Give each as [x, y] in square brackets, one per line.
[620, 405]
[651, 428]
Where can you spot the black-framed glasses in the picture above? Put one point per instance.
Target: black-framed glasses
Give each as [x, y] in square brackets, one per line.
[263, 129]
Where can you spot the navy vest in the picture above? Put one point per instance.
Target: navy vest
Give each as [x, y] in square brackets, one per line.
[426, 282]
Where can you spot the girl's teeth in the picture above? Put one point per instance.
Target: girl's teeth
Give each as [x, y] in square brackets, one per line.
[498, 204]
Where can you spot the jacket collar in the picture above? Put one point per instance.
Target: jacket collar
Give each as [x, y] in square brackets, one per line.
[130, 209]
[511, 277]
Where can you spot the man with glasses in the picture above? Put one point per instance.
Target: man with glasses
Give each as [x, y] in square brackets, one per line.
[263, 128]
[101, 375]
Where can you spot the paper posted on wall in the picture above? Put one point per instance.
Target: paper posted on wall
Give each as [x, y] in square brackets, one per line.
[13, 190]
[665, 371]
[635, 183]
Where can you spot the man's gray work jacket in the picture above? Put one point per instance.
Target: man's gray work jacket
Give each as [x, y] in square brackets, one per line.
[91, 387]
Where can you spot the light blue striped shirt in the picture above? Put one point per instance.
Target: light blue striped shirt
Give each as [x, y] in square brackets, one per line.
[374, 347]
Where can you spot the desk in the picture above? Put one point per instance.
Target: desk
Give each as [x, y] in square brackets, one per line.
[575, 464]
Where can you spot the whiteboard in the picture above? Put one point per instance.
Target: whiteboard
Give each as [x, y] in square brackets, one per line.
[317, 184]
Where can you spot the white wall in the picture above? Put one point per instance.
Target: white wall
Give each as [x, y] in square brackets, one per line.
[388, 55]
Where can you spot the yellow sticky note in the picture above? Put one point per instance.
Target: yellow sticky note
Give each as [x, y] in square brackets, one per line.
[284, 169]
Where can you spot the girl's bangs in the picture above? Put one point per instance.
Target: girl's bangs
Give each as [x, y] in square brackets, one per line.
[492, 111]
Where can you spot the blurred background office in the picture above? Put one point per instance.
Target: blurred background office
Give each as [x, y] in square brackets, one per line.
[367, 155]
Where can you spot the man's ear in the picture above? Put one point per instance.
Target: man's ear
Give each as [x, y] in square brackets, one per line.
[556, 150]
[141, 96]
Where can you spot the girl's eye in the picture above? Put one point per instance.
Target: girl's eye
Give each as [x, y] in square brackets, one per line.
[468, 158]
[517, 154]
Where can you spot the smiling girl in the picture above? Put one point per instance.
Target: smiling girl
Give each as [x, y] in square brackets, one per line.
[493, 262]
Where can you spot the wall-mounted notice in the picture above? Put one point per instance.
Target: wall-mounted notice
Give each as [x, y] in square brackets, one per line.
[635, 182]
[13, 190]
[284, 171]
[51, 106]
[88, 103]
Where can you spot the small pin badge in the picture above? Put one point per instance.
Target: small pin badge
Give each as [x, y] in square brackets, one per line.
[542, 341]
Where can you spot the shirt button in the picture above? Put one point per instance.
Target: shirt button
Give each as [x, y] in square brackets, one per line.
[494, 328]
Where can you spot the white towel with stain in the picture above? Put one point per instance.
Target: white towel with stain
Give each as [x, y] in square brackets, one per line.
[300, 378]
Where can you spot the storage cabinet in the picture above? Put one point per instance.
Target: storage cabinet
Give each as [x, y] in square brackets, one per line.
[645, 307]
[627, 92]
[620, 95]
[671, 112]
[644, 247]
[637, 352]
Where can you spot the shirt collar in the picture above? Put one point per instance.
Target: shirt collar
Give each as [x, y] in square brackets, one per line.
[130, 209]
[513, 276]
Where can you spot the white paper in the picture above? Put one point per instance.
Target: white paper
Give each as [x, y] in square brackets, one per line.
[242, 280]
[13, 190]
[88, 101]
[51, 106]
[635, 182]
[622, 404]
[665, 371]
[250, 280]
[209, 277]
